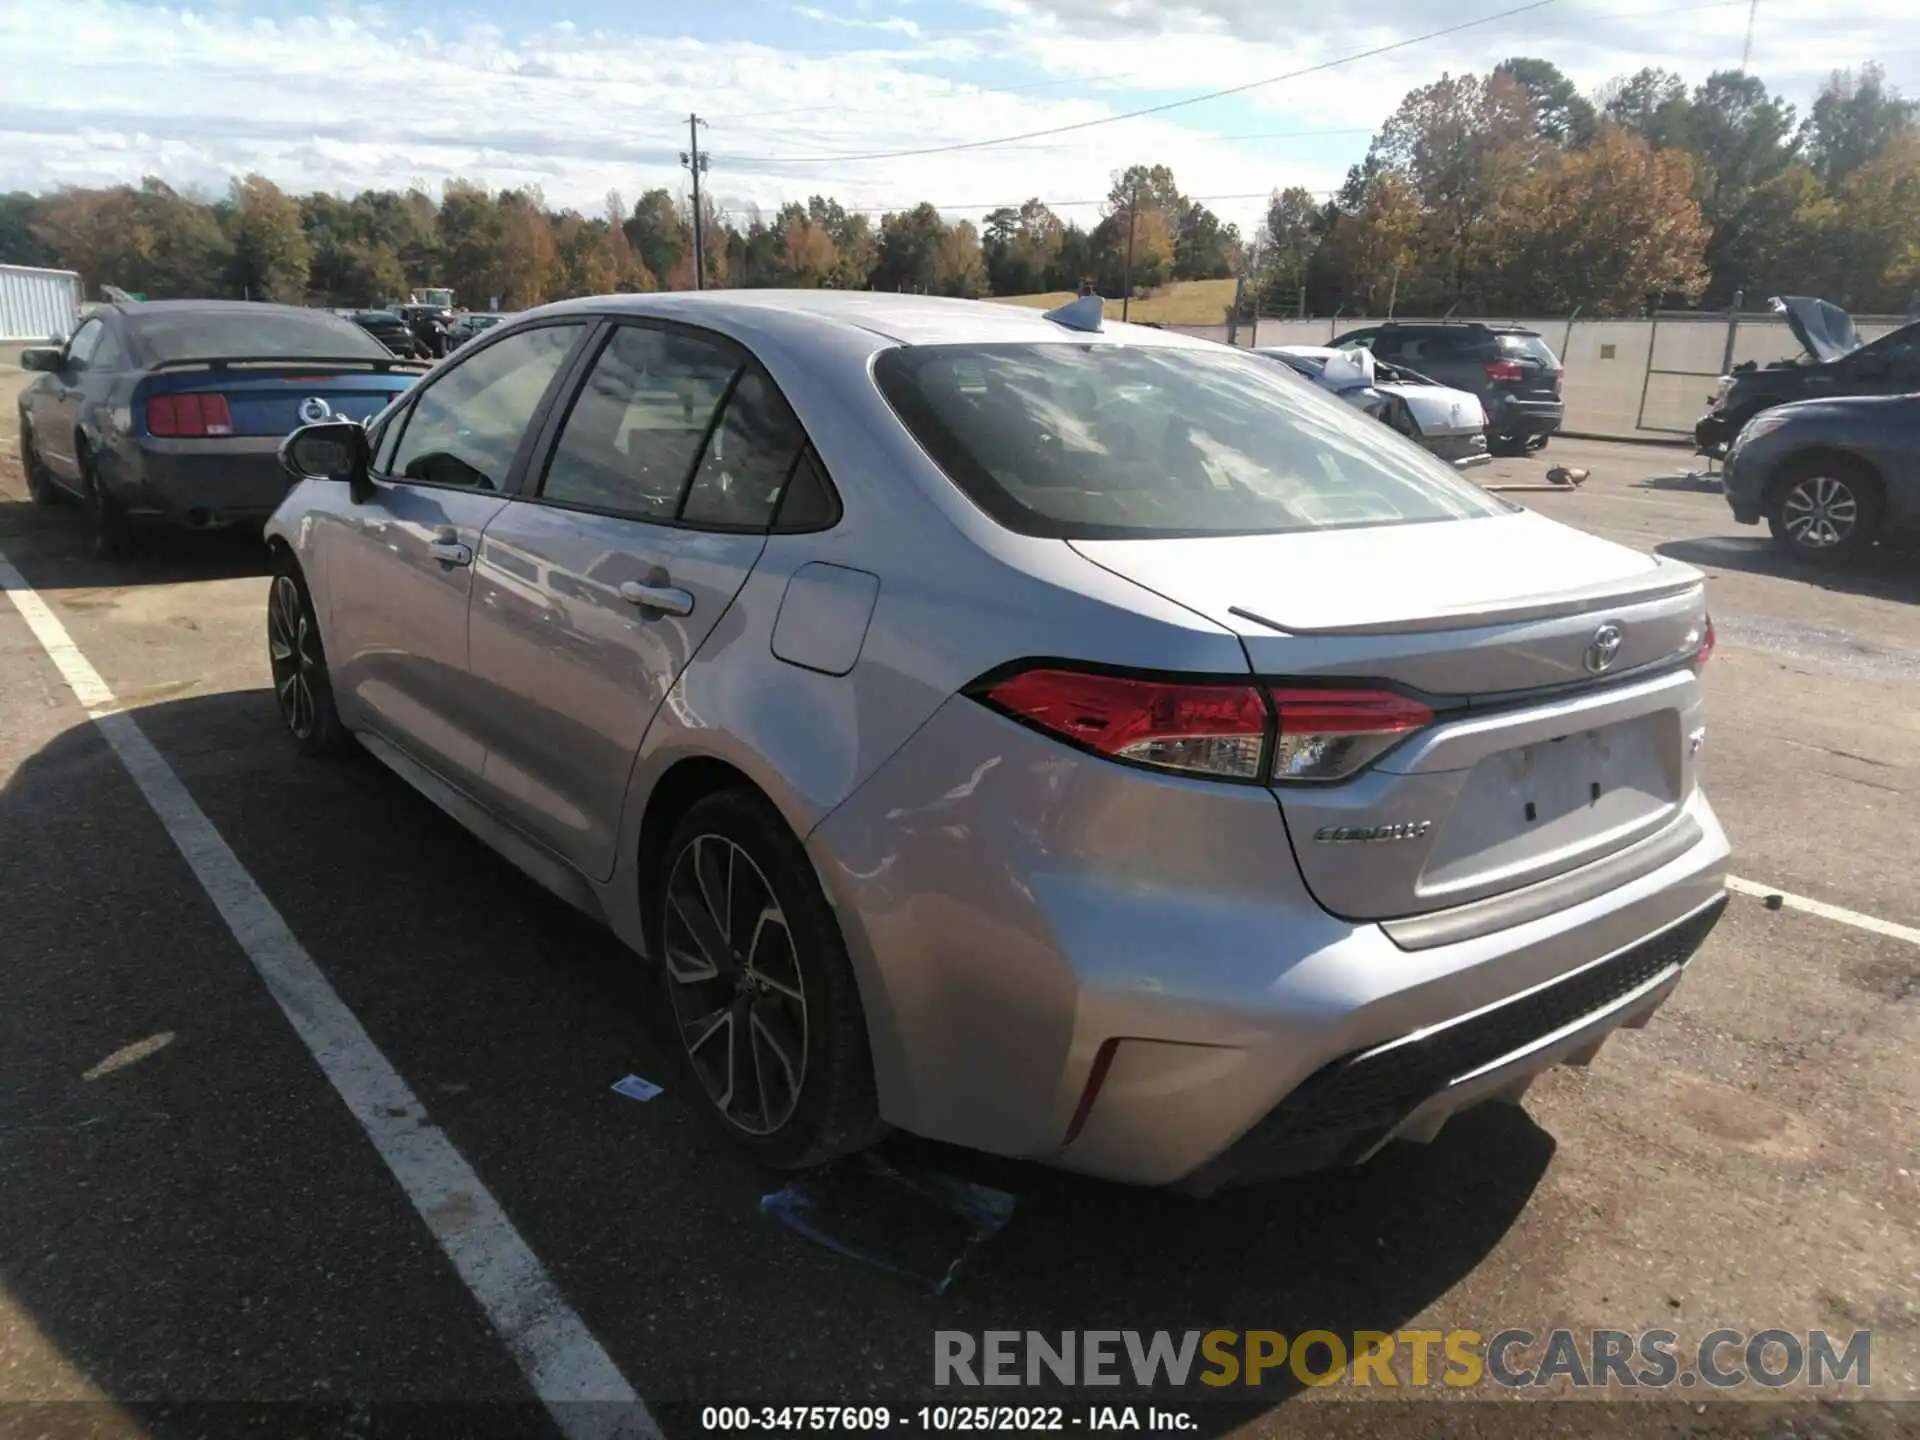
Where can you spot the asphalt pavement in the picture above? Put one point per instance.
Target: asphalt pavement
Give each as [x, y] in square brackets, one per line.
[191, 1214]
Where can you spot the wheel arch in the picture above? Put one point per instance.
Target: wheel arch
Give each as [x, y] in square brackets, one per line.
[1800, 462]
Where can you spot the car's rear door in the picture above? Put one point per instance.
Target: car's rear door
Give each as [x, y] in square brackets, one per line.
[399, 564]
[595, 588]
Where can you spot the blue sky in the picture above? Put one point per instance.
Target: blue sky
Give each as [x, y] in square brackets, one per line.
[586, 96]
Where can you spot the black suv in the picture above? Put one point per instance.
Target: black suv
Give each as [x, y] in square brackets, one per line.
[1512, 370]
[1834, 362]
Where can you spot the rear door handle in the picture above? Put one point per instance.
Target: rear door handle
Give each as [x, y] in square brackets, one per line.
[667, 599]
[450, 552]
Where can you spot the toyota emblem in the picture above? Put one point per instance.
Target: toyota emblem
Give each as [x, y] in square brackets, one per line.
[1604, 647]
[313, 410]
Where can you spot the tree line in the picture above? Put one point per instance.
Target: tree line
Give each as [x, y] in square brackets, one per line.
[1504, 193]
[1513, 193]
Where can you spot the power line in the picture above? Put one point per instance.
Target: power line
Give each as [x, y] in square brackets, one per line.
[1178, 104]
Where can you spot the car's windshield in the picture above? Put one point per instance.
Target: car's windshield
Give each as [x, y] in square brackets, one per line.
[1110, 441]
[263, 334]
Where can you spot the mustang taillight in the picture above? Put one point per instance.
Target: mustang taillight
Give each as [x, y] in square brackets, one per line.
[189, 416]
[1197, 728]
[1330, 734]
[1223, 730]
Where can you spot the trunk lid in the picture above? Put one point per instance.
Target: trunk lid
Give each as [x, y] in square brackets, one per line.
[1563, 716]
[275, 401]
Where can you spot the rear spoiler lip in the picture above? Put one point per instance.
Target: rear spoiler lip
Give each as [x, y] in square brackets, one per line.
[1546, 607]
[295, 362]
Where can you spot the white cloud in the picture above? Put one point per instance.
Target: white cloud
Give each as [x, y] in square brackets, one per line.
[346, 97]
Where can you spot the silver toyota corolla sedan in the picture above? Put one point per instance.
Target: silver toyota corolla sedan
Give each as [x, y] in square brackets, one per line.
[1088, 744]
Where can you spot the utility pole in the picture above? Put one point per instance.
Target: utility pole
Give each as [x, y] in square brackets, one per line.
[696, 163]
[1133, 214]
[1746, 50]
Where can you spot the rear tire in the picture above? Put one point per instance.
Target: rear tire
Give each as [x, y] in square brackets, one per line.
[1506, 445]
[1827, 510]
[302, 686]
[113, 533]
[1538, 442]
[765, 1011]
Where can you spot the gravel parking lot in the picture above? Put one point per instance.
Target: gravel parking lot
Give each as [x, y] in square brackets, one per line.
[189, 1213]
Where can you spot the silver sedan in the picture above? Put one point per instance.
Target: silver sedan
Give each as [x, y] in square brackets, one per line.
[1074, 741]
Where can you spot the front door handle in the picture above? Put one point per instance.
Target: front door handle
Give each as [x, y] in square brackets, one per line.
[667, 599]
[449, 551]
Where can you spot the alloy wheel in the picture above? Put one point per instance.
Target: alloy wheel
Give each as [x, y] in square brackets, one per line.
[1819, 512]
[739, 995]
[290, 648]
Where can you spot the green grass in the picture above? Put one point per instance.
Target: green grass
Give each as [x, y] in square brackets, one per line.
[1185, 302]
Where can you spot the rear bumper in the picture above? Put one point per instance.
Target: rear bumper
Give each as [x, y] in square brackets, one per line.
[234, 480]
[1520, 415]
[1063, 959]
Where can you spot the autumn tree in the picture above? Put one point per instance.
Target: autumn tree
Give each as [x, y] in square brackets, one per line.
[1616, 228]
[1204, 246]
[1462, 143]
[1380, 243]
[1877, 228]
[272, 256]
[959, 269]
[1021, 246]
[151, 240]
[807, 258]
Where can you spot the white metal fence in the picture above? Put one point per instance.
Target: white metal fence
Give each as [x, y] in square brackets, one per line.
[1628, 379]
[37, 304]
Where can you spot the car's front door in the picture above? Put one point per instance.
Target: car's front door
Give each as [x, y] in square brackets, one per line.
[399, 564]
[56, 401]
[594, 590]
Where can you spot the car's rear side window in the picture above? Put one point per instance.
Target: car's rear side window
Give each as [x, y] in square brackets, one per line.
[1532, 346]
[638, 423]
[1113, 441]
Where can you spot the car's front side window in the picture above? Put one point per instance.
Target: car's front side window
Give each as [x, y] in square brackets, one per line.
[80, 348]
[467, 424]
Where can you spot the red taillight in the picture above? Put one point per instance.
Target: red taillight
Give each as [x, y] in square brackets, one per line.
[1199, 728]
[1705, 652]
[1505, 370]
[1210, 728]
[1559, 375]
[1329, 734]
[188, 416]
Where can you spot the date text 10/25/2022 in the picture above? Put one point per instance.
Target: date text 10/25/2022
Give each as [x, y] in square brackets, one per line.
[994, 1418]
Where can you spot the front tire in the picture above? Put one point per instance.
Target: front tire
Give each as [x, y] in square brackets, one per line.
[765, 1009]
[302, 687]
[1826, 510]
[40, 487]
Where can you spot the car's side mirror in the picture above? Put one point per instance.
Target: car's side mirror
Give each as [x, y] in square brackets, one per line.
[41, 357]
[331, 450]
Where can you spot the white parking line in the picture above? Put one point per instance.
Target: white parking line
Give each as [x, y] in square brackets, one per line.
[573, 1376]
[1825, 911]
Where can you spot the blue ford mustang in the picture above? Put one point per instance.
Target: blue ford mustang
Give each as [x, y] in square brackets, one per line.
[172, 412]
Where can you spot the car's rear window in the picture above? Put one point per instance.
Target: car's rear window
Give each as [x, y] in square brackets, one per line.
[265, 334]
[1123, 442]
[1530, 345]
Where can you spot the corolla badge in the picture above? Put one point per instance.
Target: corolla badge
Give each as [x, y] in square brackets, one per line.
[313, 410]
[1603, 648]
